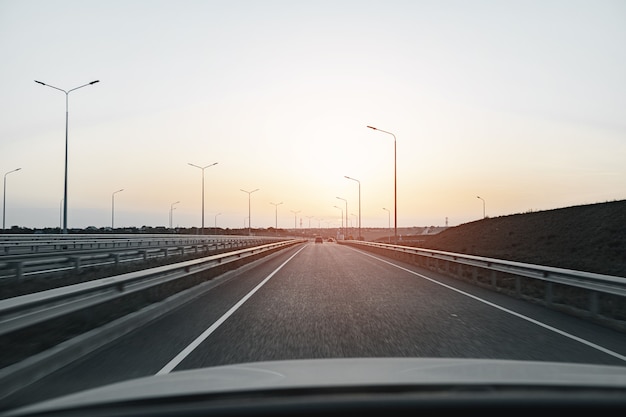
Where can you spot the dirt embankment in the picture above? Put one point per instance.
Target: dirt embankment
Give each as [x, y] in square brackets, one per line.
[588, 238]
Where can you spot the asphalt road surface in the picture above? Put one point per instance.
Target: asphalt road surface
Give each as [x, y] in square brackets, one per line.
[328, 301]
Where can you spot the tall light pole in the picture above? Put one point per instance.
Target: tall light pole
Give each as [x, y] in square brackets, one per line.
[4, 197]
[67, 93]
[359, 182]
[202, 168]
[346, 201]
[276, 215]
[395, 184]
[216, 222]
[172, 212]
[309, 217]
[249, 219]
[389, 223]
[113, 207]
[484, 215]
[344, 236]
[295, 218]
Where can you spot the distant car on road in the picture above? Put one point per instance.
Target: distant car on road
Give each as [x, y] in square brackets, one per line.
[318, 239]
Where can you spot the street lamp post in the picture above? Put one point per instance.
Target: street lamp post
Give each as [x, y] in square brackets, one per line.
[249, 218]
[67, 93]
[309, 217]
[172, 212]
[202, 168]
[216, 222]
[113, 207]
[276, 216]
[389, 223]
[343, 231]
[346, 201]
[4, 198]
[359, 182]
[484, 215]
[295, 218]
[395, 183]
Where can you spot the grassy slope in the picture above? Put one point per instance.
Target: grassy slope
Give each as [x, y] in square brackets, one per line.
[586, 238]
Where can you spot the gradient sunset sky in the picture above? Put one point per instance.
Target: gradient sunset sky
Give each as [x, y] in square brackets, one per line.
[522, 103]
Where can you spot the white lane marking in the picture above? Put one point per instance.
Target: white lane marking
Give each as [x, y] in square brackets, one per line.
[506, 310]
[185, 352]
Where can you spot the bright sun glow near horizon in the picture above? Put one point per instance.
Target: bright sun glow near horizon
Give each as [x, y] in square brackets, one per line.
[520, 103]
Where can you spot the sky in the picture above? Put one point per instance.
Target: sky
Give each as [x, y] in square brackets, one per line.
[520, 103]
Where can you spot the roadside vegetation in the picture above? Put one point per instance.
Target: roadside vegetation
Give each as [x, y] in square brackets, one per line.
[589, 238]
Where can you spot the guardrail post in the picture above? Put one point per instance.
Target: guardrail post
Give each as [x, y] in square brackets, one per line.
[594, 305]
[474, 277]
[19, 270]
[548, 293]
[116, 258]
[144, 253]
[76, 261]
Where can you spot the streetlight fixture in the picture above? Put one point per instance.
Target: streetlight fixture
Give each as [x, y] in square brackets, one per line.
[344, 236]
[202, 168]
[359, 182]
[395, 183]
[484, 215]
[113, 207]
[67, 93]
[295, 218]
[249, 218]
[276, 215]
[216, 222]
[346, 201]
[172, 212]
[4, 197]
[389, 223]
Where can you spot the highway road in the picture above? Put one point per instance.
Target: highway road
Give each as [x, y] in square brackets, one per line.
[326, 301]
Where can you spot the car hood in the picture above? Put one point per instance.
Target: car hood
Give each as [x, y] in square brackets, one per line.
[343, 372]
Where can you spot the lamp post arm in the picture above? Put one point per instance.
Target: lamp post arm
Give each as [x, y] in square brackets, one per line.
[84, 85]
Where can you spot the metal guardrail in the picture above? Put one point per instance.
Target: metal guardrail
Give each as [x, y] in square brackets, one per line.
[494, 272]
[40, 256]
[26, 244]
[20, 312]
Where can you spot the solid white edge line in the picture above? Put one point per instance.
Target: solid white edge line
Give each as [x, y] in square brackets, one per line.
[506, 310]
[185, 352]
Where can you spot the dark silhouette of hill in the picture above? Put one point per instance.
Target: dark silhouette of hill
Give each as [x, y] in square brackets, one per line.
[588, 238]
